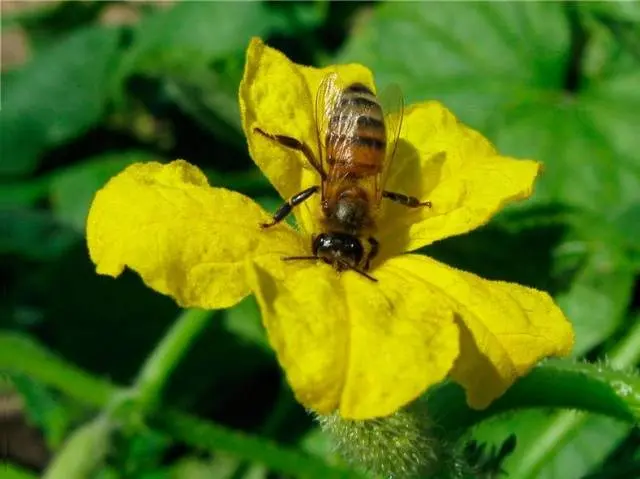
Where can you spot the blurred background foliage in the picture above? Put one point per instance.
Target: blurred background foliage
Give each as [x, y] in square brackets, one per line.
[90, 87]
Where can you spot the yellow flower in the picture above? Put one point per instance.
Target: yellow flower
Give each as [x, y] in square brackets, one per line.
[364, 348]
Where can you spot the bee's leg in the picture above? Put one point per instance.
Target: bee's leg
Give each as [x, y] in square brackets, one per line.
[287, 207]
[373, 252]
[409, 201]
[296, 145]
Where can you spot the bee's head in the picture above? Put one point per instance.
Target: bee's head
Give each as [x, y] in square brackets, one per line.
[343, 251]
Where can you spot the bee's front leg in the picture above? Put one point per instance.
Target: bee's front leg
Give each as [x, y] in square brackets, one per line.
[287, 206]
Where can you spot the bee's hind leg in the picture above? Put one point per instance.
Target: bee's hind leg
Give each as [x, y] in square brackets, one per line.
[294, 144]
[408, 201]
[287, 207]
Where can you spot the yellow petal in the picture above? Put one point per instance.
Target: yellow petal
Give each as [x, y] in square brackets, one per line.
[457, 169]
[348, 343]
[184, 238]
[505, 328]
[278, 96]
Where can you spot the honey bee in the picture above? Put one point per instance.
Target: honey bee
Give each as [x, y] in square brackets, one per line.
[359, 144]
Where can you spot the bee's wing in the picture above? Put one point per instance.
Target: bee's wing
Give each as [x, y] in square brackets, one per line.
[330, 119]
[392, 104]
[327, 97]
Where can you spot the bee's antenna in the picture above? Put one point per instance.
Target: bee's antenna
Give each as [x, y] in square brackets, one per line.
[359, 271]
[347, 266]
[295, 258]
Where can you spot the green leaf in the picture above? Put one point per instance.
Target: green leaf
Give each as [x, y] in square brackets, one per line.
[580, 453]
[185, 38]
[624, 10]
[34, 234]
[58, 95]
[297, 17]
[479, 59]
[598, 298]
[612, 48]
[197, 48]
[48, 22]
[627, 224]
[503, 68]
[23, 194]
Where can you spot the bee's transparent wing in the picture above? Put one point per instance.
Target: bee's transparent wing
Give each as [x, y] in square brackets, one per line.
[392, 103]
[327, 97]
[330, 119]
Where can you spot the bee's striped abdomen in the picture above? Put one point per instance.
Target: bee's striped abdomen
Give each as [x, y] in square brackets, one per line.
[360, 152]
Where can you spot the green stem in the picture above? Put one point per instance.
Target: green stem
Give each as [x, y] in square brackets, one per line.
[84, 451]
[20, 355]
[166, 356]
[560, 431]
[556, 384]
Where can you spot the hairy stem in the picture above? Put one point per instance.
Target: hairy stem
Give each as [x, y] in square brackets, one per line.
[557, 384]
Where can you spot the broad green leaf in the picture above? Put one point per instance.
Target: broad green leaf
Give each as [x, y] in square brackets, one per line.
[58, 95]
[26, 15]
[478, 58]
[503, 68]
[17, 194]
[581, 452]
[197, 48]
[47, 22]
[622, 10]
[627, 224]
[598, 297]
[292, 18]
[184, 39]
[34, 234]
[70, 190]
[610, 49]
